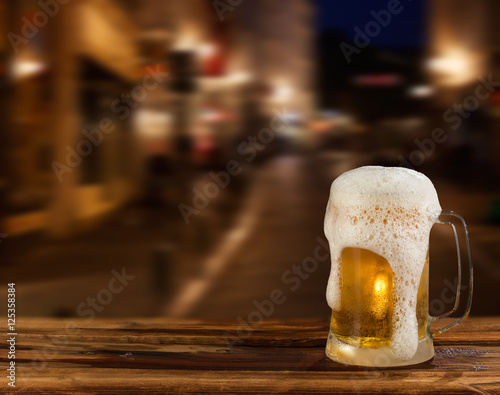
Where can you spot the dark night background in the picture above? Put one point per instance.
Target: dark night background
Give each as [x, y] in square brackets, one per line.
[187, 89]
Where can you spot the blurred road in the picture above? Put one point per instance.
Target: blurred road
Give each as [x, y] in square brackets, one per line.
[287, 204]
[243, 249]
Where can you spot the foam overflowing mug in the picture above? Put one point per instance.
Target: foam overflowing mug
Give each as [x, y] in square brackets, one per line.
[378, 222]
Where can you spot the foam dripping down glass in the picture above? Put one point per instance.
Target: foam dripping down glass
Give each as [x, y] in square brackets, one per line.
[378, 222]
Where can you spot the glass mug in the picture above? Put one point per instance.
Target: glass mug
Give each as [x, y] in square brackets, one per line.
[378, 223]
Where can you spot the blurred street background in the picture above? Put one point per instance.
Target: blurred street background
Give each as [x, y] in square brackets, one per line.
[173, 158]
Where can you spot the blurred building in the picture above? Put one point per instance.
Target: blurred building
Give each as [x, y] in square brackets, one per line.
[464, 68]
[68, 64]
[99, 90]
[281, 42]
[461, 39]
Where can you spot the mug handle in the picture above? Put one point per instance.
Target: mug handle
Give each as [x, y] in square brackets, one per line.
[447, 218]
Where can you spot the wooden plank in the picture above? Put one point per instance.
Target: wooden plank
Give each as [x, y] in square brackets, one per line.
[471, 324]
[257, 361]
[141, 381]
[257, 337]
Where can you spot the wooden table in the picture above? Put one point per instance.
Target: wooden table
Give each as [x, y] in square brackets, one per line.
[159, 355]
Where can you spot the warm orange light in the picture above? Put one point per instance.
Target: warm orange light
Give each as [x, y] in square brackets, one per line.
[380, 302]
[380, 286]
[207, 50]
[454, 67]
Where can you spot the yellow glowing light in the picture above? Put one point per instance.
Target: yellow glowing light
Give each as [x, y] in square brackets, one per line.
[282, 93]
[206, 50]
[185, 42]
[23, 68]
[454, 66]
[380, 285]
[380, 304]
[421, 91]
[451, 64]
[239, 76]
[152, 124]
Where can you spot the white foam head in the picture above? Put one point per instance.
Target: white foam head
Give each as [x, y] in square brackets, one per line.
[389, 211]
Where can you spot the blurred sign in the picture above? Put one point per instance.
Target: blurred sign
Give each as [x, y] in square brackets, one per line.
[377, 80]
[495, 98]
[212, 60]
[494, 107]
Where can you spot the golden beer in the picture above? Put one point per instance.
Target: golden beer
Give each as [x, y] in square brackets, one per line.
[367, 300]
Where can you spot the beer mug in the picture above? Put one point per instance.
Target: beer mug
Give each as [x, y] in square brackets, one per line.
[378, 222]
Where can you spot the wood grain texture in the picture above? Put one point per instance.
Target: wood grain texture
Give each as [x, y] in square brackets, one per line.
[179, 356]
